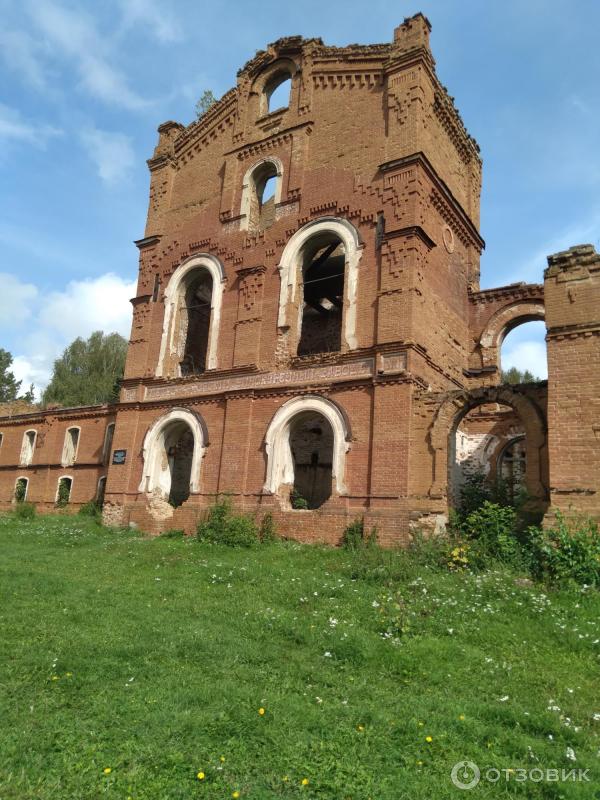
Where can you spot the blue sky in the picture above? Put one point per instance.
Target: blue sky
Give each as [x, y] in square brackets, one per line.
[83, 86]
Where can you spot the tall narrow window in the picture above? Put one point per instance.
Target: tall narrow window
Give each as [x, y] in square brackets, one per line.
[108, 440]
[63, 492]
[100, 491]
[323, 266]
[27, 448]
[70, 446]
[260, 194]
[156, 288]
[195, 321]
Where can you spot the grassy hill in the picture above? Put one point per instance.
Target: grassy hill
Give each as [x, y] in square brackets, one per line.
[130, 667]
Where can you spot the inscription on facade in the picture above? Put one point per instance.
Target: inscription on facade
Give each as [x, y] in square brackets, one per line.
[302, 377]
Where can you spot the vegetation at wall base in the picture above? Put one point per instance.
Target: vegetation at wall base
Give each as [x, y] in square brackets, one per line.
[132, 665]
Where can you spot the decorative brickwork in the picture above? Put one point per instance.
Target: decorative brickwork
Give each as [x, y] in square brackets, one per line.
[372, 230]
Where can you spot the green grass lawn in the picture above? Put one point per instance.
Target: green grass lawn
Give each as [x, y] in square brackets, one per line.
[129, 665]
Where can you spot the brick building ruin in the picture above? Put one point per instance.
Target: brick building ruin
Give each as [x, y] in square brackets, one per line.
[308, 323]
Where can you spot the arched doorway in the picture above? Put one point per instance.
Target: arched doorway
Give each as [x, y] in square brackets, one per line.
[311, 445]
[172, 455]
[306, 445]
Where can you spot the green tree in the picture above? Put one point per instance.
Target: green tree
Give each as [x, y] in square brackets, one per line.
[206, 101]
[9, 385]
[88, 372]
[514, 376]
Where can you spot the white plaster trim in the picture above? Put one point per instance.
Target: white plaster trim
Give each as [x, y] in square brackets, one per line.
[249, 187]
[27, 451]
[65, 461]
[291, 263]
[172, 295]
[280, 464]
[153, 450]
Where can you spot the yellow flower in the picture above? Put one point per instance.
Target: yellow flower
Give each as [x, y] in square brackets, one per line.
[201, 776]
[69, 674]
[429, 739]
[360, 727]
[222, 759]
[285, 778]
[261, 711]
[461, 717]
[421, 724]
[304, 781]
[107, 770]
[419, 763]
[55, 677]
[235, 794]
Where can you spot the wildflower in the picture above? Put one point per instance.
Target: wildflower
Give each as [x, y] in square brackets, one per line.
[55, 677]
[461, 717]
[304, 781]
[201, 776]
[327, 654]
[360, 728]
[235, 794]
[222, 759]
[107, 770]
[570, 754]
[419, 763]
[261, 711]
[429, 739]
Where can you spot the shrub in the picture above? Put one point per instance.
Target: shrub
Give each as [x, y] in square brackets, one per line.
[172, 533]
[64, 493]
[24, 510]
[91, 509]
[297, 501]
[268, 532]
[20, 490]
[356, 538]
[221, 526]
[565, 552]
[492, 531]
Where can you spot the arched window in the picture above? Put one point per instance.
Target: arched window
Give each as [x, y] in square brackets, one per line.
[192, 315]
[21, 487]
[108, 440]
[63, 491]
[71, 443]
[306, 445]
[172, 454]
[277, 92]
[261, 191]
[512, 466]
[319, 282]
[323, 268]
[27, 448]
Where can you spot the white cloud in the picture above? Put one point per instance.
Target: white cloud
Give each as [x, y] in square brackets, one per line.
[112, 153]
[529, 355]
[16, 299]
[57, 318]
[14, 128]
[73, 34]
[155, 16]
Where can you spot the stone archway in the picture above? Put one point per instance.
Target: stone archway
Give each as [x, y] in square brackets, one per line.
[504, 321]
[458, 404]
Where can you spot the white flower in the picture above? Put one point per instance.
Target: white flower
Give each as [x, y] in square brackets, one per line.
[333, 621]
[327, 654]
[570, 754]
[450, 631]
[503, 699]
[375, 604]
[596, 717]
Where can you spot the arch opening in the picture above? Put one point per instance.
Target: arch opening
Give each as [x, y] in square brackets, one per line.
[21, 487]
[323, 262]
[63, 491]
[311, 444]
[101, 491]
[278, 91]
[27, 448]
[195, 318]
[261, 191]
[70, 446]
[485, 445]
[523, 352]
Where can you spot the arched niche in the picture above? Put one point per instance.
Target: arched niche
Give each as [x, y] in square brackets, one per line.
[280, 459]
[202, 267]
[291, 300]
[158, 458]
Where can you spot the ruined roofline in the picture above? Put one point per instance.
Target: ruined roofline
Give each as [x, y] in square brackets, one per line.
[58, 411]
[411, 40]
[519, 289]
